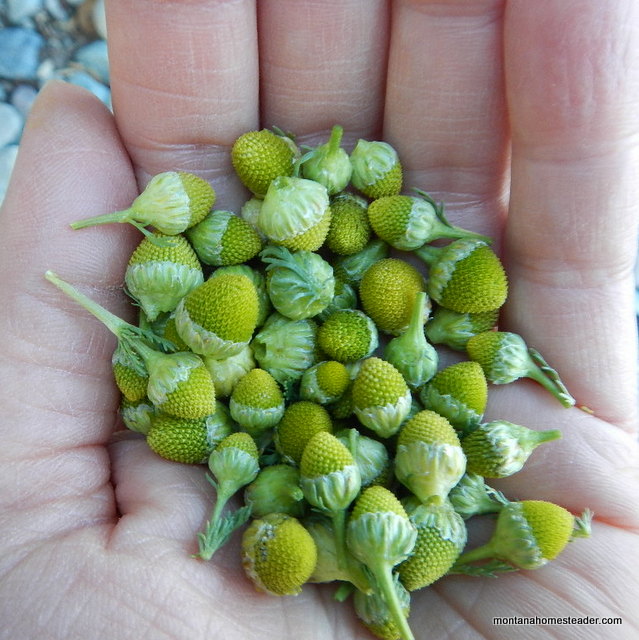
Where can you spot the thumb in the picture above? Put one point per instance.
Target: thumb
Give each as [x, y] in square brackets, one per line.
[57, 394]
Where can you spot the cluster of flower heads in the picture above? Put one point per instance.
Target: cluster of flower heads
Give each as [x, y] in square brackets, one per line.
[288, 349]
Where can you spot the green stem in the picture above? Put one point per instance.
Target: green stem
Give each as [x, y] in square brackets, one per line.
[339, 531]
[343, 591]
[429, 254]
[485, 552]
[548, 435]
[107, 218]
[452, 231]
[143, 320]
[384, 578]
[147, 353]
[496, 498]
[415, 331]
[210, 540]
[295, 493]
[345, 561]
[444, 229]
[545, 375]
[220, 502]
[485, 504]
[335, 140]
[111, 321]
[353, 437]
[130, 338]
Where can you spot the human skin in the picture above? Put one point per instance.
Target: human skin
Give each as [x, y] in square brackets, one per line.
[521, 116]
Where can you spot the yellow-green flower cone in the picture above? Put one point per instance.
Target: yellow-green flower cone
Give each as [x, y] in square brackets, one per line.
[528, 534]
[381, 397]
[179, 440]
[388, 290]
[218, 318]
[278, 554]
[259, 157]
[300, 422]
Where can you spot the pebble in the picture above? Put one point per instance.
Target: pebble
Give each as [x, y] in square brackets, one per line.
[56, 10]
[19, 10]
[94, 58]
[99, 19]
[40, 40]
[19, 53]
[7, 160]
[11, 123]
[45, 71]
[86, 80]
[22, 98]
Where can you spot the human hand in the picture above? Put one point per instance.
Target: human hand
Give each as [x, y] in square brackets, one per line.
[97, 531]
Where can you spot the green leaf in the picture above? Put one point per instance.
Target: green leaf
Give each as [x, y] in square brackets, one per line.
[218, 532]
[487, 570]
[583, 525]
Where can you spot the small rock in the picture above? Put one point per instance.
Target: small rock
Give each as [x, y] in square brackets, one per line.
[7, 160]
[84, 79]
[84, 18]
[22, 98]
[19, 53]
[19, 10]
[99, 19]
[11, 123]
[45, 71]
[95, 59]
[56, 10]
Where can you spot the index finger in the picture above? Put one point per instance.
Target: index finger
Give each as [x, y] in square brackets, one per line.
[184, 79]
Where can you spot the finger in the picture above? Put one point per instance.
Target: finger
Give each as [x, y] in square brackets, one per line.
[157, 498]
[163, 504]
[55, 363]
[184, 84]
[321, 64]
[572, 75]
[593, 464]
[582, 580]
[444, 105]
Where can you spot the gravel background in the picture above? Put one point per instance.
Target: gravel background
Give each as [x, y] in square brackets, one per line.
[44, 39]
[41, 40]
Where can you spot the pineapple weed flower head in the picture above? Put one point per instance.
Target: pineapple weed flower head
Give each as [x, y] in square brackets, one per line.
[287, 349]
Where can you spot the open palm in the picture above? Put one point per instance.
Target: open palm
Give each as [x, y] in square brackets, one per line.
[521, 116]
